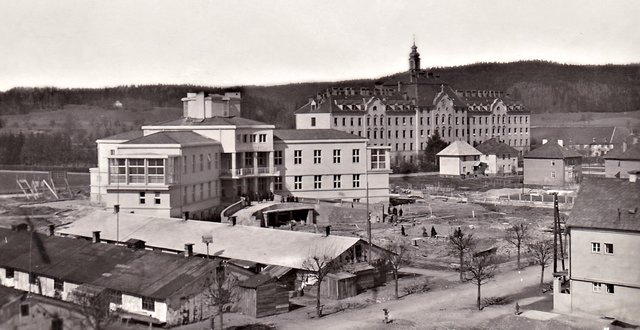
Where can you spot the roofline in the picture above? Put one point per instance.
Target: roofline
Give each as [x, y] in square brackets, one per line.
[345, 140]
[182, 127]
[176, 145]
[602, 228]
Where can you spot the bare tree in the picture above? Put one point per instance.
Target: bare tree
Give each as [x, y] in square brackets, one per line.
[397, 256]
[94, 306]
[318, 265]
[542, 251]
[480, 268]
[221, 291]
[459, 244]
[517, 235]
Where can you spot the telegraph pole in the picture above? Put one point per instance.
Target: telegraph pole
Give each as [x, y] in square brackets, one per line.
[368, 213]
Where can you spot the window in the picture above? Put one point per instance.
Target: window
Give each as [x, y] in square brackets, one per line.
[24, 310]
[351, 121]
[608, 248]
[297, 156]
[335, 121]
[277, 183]
[57, 323]
[9, 272]
[359, 123]
[184, 164]
[33, 279]
[610, 288]
[277, 157]
[355, 156]
[201, 162]
[344, 121]
[313, 121]
[553, 174]
[148, 304]
[356, 180]
[156, 170]
[595, 247]
[253, 138]
[297, 182]
[136, 170]
[208, 190]
[317, 156]
[317, 182]
[193, 193]
[208, 161]
[193, 163]
[58, 284]
[378, 159]
[117, 170]
[337, 181]
[184, 196]
[216, 160]
[262, 138]
[336, 156]
[596, 287]
[142, 197]
[115, 297]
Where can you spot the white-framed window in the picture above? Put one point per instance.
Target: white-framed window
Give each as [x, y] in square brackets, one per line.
[356, 180]
[608, 248]
[262, 138]
[355, 156]
[596, 287]
[317, 156]
[117, 170]
[610, 288]
[209, 161]
[58, 284]
[313, 121]
[595, 247]
[317, 182]
[277, 183]
[156, 198]
[142, 197]
[156, 170]
[337, 181]
[297, 182]
[136, 171]
[148, 304]
[356, 200]
[336, 156]
[277, 157]
[253, 138]
[297, 157]
[378, 160]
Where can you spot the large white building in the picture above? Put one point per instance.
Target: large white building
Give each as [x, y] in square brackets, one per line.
[211, 156]
[403, 113]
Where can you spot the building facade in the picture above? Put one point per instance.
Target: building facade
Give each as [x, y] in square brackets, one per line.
[620, 161]
[404, 112]
[501, 159]
[552, 165]
[459, 158]
[211, 156]
[603, 236]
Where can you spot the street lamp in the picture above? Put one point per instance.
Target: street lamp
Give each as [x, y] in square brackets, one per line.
[207, 239]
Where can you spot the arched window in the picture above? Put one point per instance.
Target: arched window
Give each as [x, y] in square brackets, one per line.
[375, 120]
[368, 120]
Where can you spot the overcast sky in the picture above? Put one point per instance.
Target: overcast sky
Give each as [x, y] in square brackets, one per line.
[83, 43]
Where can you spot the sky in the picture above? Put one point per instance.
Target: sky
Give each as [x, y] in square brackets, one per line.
[87, 43]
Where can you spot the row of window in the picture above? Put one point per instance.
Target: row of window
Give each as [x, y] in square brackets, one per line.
[403, 120]
[317, 156]
[196, 192]
[251, 138]
[597, 287]
[507, 131]
[317, 182]
[142, 198]
[136, 170]
[596, 248]
[198, 163]
[496, 120]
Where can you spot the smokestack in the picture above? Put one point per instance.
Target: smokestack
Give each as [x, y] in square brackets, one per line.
[327, 230]
[544, 141]
[561, 143]
[185, 216]
[96, 237]
[188, 250]
[52, 229]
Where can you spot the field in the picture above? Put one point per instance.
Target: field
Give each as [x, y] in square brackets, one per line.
[8, 179]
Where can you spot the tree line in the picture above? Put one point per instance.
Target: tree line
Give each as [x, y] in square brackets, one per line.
[48, 149]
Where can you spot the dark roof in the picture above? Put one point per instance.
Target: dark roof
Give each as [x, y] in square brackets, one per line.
[581, 135]
[139, 272]
[8, 295]
[256, 281]
[183, 138]
[552, 150]
[313, 134]
[495, 147]
[632, 153]
[125, 135]
[599, 201]
[222, 121]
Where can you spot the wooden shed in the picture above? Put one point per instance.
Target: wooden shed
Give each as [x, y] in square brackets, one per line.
[262, 295]
[339, 286]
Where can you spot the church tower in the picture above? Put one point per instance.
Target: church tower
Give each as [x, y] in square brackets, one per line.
[414, 59]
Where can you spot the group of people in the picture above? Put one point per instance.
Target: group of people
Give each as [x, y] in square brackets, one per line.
[247, 198]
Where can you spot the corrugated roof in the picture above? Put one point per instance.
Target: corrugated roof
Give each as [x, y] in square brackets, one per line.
[459, 148]
[139, 272]
[125, 135]
[262, 245]
[313, 134]
[599, 201]
[552, 150]
[495, 147]
[183, 138]
[632, 153]
[221, 121]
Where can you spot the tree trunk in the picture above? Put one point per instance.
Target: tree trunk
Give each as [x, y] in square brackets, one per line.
[395, 277]
[541, 276]
[318, 311]
[518, 246]
[461, 272]
[478, 299]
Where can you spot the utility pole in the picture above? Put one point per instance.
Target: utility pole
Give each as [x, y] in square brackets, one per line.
[368, 213]
[555, 233]
[556, 219]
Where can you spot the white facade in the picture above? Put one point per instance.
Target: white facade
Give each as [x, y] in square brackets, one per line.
[500, 164]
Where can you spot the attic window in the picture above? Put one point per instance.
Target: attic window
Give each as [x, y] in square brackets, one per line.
[9, 273]
[148, 304]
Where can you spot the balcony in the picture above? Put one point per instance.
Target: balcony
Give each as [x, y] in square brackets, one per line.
[248, 172]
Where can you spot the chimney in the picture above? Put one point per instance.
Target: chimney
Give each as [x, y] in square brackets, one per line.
[185, 216]
[327, 230]
[188, 250]
[561, 143]
[633, 176]
[544, 141]
[52, 230]
[96, 237]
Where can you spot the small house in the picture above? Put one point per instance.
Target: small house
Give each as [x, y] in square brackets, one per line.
[262, 295]
[500, 158]
[552, 164]
[459, 158]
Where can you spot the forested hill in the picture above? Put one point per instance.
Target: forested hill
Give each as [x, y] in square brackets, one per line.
[542, 87]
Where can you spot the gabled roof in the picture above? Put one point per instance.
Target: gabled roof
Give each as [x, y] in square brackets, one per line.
[581, 135]
[632, 153]
[124, 136]
[324, 105]
[459, 148]
[495, 147]
[600, 200]
[139, 272]
[313, 134]
[183, 138]
[552, 150]
[214, 121]
[261, 245]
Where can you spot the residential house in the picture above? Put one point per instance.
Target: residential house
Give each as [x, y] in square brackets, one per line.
[500, 158]
[603, 239]
[552, 165]
[458, 158]
[621, 160]
[587, 141]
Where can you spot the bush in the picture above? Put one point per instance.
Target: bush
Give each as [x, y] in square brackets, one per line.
[417, 288]
[489, 301]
